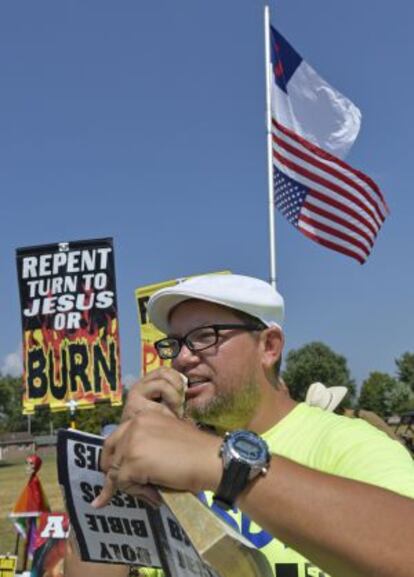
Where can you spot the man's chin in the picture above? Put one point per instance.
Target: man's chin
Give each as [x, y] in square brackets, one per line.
[212, 412]
[197, 408]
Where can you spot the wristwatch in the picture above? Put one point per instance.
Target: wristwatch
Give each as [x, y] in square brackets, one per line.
[245, 455]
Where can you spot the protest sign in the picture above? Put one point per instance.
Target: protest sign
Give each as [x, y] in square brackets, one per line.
[126, 531]
[119, 533]
[49, 546]
[70, 325]
[8, 565]
[149, 333]
[182, 536]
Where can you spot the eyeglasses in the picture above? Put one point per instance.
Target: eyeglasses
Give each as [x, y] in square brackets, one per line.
[198, 339]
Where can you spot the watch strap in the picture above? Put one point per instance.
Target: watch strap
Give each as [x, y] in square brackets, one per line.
[234, 480]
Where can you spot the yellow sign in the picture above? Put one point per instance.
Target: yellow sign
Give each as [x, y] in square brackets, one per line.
[8, 565]
[149, 333]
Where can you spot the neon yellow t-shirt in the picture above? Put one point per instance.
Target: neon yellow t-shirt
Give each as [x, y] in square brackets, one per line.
[342, 446]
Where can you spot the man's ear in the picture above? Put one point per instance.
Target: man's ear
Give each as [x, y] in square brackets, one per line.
[272, 341]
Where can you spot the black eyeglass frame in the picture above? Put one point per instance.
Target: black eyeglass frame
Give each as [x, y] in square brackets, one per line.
[180, 341]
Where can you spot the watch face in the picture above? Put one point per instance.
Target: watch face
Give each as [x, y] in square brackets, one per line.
[248, 446]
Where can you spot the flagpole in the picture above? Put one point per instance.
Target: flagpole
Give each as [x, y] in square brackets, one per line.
[271, 209]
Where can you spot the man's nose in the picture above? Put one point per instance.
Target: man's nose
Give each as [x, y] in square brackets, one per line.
[186, 357]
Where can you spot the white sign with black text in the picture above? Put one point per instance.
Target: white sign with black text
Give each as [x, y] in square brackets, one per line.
[126, 531]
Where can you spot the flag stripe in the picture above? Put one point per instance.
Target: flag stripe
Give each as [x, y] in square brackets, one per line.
[342, 207]
[331, 244]
[329, 216]
[339, 213]
[307, 218]
[323, 154]
[349, 182]
[325, 184]
[367, 215]
[330, 199]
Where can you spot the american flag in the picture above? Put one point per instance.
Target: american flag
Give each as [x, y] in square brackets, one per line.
[323, 197]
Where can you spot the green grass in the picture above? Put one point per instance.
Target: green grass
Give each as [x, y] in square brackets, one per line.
[13, 478]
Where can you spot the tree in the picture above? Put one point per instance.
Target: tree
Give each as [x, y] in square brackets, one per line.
[11, 418]
[385, 395]
[91, 420]
[316, 362]
[405, 369]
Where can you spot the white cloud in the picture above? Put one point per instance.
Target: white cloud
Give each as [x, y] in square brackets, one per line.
[12, 364]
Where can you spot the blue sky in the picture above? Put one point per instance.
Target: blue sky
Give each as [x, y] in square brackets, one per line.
[144, 121]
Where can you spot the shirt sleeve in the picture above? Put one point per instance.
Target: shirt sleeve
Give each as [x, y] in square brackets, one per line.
[370, 456]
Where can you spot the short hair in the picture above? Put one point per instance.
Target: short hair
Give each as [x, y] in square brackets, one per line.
[250, 319]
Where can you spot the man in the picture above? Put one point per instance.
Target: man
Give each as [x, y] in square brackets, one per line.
[313, 504]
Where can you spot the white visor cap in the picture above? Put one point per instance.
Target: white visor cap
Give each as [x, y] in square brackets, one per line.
[242, 293]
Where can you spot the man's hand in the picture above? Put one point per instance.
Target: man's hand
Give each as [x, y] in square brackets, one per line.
[164, 386]
[161, 391]
[156, 448]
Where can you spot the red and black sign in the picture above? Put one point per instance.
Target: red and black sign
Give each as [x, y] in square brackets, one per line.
[70, 325]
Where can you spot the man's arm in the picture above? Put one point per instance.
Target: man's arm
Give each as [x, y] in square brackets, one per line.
[343, 526]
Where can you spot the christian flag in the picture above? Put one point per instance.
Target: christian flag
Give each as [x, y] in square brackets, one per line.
[314, 126]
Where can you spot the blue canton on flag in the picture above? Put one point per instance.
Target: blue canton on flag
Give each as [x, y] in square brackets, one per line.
[290, 196]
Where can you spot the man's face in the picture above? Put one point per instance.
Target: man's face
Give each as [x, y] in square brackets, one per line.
[223, 388]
